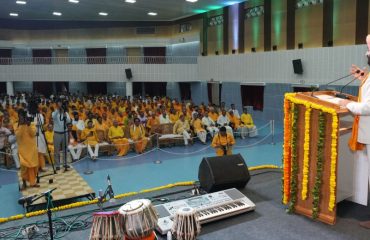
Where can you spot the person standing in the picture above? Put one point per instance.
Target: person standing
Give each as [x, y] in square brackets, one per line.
[361, 129]
[60, 119]
[27, 151]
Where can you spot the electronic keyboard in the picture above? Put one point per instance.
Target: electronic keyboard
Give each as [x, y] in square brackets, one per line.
[210, 207]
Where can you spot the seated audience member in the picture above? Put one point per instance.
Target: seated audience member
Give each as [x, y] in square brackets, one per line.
[4, 134]
[209, 124]
[223, 142]
[235, 123]
[164, 118]
[116, 136]
[247, 121]
[182, 127]
[49, 136]
[235, 111]
[143, 119]
[174, 116]
[74, 147]
[223, 121]
[90, 139]
[213, 114]
[152, 121]
[137, 133]
[77, 123]
[198, 128]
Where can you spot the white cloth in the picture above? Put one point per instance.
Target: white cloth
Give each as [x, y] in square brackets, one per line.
[202, 135]
[223, 120]
[236, 113]
[41, 143]
[4, 133]
[363, 109]
[164, 120]
[76, 150]
[80, 125]
[92, 153]
[186, 136]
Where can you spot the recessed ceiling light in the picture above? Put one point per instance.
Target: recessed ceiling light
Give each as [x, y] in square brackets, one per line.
[103, 14]
[57, 13]
[130, 1]
[13, 14]
[192, 1]
[152, 13]
[21, 2]
[73, 1]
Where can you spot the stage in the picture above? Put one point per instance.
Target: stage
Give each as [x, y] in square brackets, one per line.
[69, 186]
[268, 221]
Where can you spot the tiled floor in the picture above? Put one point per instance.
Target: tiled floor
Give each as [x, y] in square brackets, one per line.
[134, 173]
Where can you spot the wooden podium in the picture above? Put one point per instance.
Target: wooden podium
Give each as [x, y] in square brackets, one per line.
[343, 158]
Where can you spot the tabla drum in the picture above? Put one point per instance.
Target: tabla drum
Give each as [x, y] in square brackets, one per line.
[106, 226]
[186, 225]
[139, 219]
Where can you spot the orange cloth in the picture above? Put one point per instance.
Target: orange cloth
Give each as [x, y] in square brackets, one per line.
[219, 142]
[28, 154]
[137, 134]
[198, 125]
[116, 136]
[353, 144]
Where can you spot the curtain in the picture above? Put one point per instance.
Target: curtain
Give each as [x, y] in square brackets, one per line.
[116, 55]
[253, 96]
[96, 55]
[22, 55]
[5, 56]
[155, 55]
[41, 56]
[185, 91]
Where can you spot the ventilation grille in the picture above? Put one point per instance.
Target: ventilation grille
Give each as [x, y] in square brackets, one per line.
[145, 30]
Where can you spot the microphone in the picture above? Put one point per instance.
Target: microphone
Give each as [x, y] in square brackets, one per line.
[343, 96]
[336, 80]
[27, 200]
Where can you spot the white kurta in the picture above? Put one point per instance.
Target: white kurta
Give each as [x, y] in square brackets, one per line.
[362, 158]
[41, 144]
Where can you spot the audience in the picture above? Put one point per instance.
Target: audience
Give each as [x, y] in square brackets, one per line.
[123, 122]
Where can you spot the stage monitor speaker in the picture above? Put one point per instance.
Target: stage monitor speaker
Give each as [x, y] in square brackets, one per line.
[297, 66]
[128, 73]
[224, 172]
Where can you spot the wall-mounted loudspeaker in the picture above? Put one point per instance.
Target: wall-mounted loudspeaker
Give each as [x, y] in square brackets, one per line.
[300, 45]
[128, 73]
[253, 49]
[297, 66]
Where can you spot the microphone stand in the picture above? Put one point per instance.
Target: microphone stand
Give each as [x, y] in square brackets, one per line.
[341, 94]
[40, 128]
[49, 200]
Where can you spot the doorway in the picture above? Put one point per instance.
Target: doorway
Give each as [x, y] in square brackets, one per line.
[214, 92]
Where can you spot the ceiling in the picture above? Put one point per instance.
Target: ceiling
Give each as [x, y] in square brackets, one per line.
[118, 10]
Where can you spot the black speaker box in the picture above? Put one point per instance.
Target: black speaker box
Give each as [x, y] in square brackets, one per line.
[297, 66]
[219, 173]
[128, 73]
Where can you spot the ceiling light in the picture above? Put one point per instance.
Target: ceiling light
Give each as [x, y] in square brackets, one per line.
[192, 1]
[103, 14]
[21, 2]
[130, 1]
[57, 13]
[73, 1]
[152, 14]
[13, 14]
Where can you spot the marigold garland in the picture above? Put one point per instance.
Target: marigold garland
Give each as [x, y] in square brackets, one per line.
[316, 192]
[306, 151]
[294, 170]
[333, 162]
[286, 151]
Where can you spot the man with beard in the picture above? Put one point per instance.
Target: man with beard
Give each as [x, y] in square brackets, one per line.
[361, 109]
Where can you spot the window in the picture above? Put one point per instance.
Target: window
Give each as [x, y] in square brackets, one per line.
[5, 56]
[96, 55]
[97, 88]
[185, 91]
[41, 56]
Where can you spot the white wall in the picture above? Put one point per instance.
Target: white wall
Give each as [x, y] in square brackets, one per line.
[99, 72]
[320, 65]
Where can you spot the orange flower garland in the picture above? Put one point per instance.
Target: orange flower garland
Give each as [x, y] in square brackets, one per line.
[287, 152]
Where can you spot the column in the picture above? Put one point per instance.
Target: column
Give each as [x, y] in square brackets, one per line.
[9, 88]
[129, 89]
